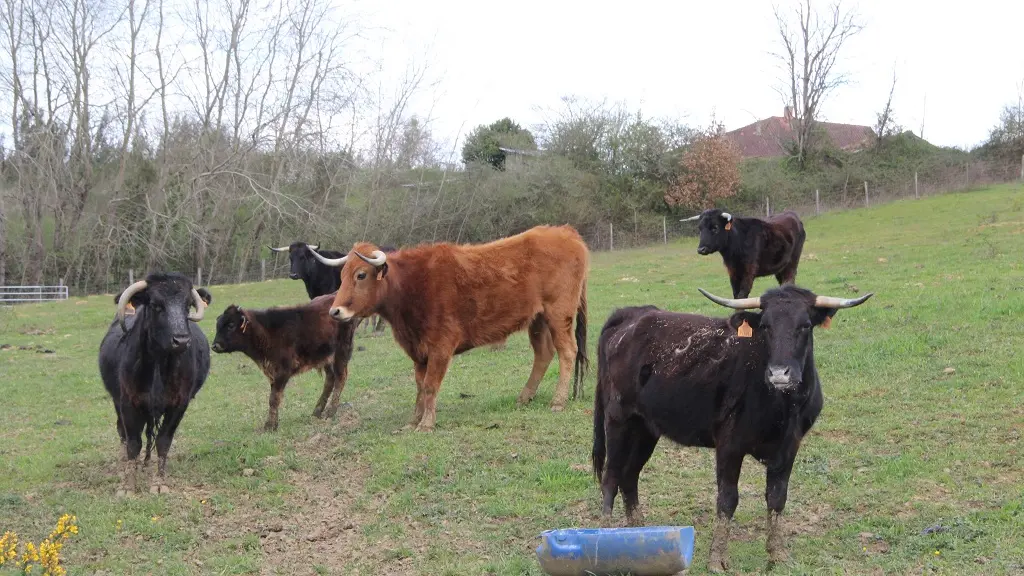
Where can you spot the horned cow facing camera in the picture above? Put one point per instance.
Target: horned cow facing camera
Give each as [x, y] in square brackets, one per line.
[153, 362]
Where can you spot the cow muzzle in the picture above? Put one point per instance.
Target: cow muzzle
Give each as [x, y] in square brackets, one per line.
[703, 250]
[179, 342]
[217, 347]
[781, 377]
[293, 276]
[341, 314]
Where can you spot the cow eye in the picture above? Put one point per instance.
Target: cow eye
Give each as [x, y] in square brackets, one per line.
[361, 275]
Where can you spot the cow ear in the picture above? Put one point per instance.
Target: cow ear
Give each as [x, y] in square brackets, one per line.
[382, 271]
[753, 320]
[205, 295]
[822, 316]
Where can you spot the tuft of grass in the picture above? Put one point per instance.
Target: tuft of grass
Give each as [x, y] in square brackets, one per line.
[903, 445]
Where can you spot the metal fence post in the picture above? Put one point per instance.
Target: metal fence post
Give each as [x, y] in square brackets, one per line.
[664, 230]
[131, 276]
[263, 270]
[817, 203]
[611, 237]
[199, 276]
[867, 201]
[916, 193]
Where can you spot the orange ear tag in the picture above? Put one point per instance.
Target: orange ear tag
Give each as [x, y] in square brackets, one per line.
[380, 274]
[827, 322]
[728, 225]
[744, 330]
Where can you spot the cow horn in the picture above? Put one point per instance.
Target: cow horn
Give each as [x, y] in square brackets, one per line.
[335, 262]
[691, 218]
[830, 302]
[377, 258]
[727, 216]
[200, 307]
[312, 246]
[126, 297]
[281, 249]
[734, 303]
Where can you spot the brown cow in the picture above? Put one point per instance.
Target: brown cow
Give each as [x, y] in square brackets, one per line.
[444, 299]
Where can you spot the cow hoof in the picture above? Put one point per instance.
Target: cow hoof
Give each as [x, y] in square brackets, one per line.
[268, 427]
[159, 489]
[318, 413]
[422, 428]
[121, 493]
[520, 402]
[557, 407]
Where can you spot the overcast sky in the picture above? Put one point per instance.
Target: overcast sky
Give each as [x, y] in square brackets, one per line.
[956, 66]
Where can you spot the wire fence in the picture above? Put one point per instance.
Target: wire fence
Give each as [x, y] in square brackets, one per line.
[649, 229]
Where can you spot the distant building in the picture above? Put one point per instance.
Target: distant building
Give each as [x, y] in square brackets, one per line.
[767, 138]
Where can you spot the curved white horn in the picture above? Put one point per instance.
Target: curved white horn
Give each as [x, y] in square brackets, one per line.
[335, 262]
[200, 307]
[727, 216]
[830, 302]
[734, 303]
[281, 249]
[126, 297]
[691, 218]
[377, 258]
[312, 246]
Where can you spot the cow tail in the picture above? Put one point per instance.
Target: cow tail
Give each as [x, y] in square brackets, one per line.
[582, 361]
[597, 454]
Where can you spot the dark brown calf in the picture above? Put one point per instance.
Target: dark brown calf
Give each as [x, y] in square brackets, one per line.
[287, 341]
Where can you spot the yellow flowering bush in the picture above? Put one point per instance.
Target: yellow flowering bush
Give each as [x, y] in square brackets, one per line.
[46, 555]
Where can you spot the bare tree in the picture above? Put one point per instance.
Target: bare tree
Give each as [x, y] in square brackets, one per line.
[810, 51]
[885, 125]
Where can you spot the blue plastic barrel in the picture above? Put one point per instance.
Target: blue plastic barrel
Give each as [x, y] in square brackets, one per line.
[646, 551]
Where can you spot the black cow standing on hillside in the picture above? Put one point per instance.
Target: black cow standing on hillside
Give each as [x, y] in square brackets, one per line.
[287, 341]
[153, 362]
[742, 385]
[319, 278]
[752, 247]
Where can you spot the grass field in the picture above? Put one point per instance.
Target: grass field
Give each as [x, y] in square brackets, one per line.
[922, 425]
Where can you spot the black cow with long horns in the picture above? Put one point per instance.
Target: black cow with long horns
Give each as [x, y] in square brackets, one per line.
[153, 362]
[752, 247]
[746, 384]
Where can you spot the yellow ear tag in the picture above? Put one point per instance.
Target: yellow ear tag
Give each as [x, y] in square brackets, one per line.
[827, 322]
[744, 331]
[728, 225]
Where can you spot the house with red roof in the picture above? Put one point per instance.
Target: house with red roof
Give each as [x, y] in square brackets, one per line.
[767, 138]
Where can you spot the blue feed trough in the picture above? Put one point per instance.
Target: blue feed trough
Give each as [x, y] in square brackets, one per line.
[647, 551]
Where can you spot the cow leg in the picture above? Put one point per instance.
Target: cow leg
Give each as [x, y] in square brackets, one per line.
[276, 394]
[164, 436]
[640, 450]
[437, 367]
[329, 383]
[420, 370]
[149, 442]
[561, 333]
[727, 471]
[340, 377]
[543, 352]
[133, 421]
[618, 441]
[775, 492]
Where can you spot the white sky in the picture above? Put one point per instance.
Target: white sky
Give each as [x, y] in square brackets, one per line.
[687, 59]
